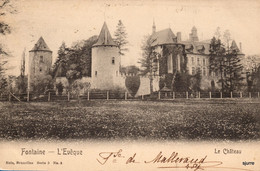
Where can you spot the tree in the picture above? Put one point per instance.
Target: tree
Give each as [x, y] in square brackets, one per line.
[227, 64]
[60, 65]
[217, 59]
[217, 34]
[253, 73]
[132, 69]
[5, 7]
[74, 62]
[227, 38]
[233, 71]
[120, 38]
[148, 57]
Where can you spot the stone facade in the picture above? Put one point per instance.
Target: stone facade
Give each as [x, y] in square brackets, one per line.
[40, 61]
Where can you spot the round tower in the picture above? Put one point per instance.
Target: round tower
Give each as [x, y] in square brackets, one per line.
[40, 60]
[105, 61]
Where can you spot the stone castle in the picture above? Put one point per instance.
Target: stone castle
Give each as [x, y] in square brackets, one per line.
[172, 55]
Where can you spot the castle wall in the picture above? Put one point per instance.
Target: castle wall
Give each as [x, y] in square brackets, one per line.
[39, 64]
[144, 88]
[105, 67]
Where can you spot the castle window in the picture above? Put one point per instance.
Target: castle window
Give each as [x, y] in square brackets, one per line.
[198, 60]
[204, 62]
[193, 71]
[116, 73]
[95, 73]
[192, 59]
[41, 58]
[178, 63]
[204, 71]
[113, 60]
[169, 63]
[40, 69]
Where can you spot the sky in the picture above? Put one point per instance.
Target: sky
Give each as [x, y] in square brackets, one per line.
[73, 20]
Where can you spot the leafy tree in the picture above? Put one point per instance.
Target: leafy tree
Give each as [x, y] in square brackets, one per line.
[217, 34]
[217, 59]
[21, 83]
[60, 65]
[132, 84]
[227, 38]
[132, 69]
[120, 37]
[252, 70]
[43, 84]
[3, 80]
[147, 60]
[233, 71]
[6, 7]
[181, 82]
[60, 87]
[74, 62]
[227, 64]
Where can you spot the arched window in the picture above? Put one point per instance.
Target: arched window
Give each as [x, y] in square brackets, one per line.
[113, 60]
[192, 59]
[169, 63]
[204, 62]
[198, 60]
[95, 73]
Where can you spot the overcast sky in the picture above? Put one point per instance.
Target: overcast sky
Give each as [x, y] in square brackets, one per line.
[70, 20]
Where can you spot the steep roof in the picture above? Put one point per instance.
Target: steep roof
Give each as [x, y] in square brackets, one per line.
[235, 47]
[41, 46]
[201, 47]
[165, 36]
[104, 38]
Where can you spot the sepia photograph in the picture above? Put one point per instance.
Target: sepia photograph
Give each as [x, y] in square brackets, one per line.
[129, 85]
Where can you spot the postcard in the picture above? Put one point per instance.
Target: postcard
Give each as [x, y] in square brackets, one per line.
[129, 85]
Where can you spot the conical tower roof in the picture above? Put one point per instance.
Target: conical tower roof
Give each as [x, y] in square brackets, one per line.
[105, 38]
[234, 46]
[41, 46]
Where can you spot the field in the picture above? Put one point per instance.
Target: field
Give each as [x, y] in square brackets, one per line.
[149, 120]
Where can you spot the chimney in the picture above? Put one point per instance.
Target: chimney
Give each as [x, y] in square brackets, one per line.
[240, 46]
[178, 36]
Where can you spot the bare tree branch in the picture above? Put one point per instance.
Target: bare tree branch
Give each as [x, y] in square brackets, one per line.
[4, 3]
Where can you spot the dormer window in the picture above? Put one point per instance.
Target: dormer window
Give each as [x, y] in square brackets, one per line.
[113, 60]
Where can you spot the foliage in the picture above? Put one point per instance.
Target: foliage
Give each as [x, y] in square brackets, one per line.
[132, 84]
[6, 6]
[132, 69]
[43, 84]
[217, 58]
[146, 60]
[227, 64]
[21, 84]
[148, 57]
[256, 80]
[60, 87]
[195, 81]
[120, 37]
[181, 82]
[74, 62]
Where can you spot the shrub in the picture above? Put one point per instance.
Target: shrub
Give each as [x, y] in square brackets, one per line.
[132, 84]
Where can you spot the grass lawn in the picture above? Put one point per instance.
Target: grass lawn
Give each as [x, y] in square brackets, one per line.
[156, 120]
